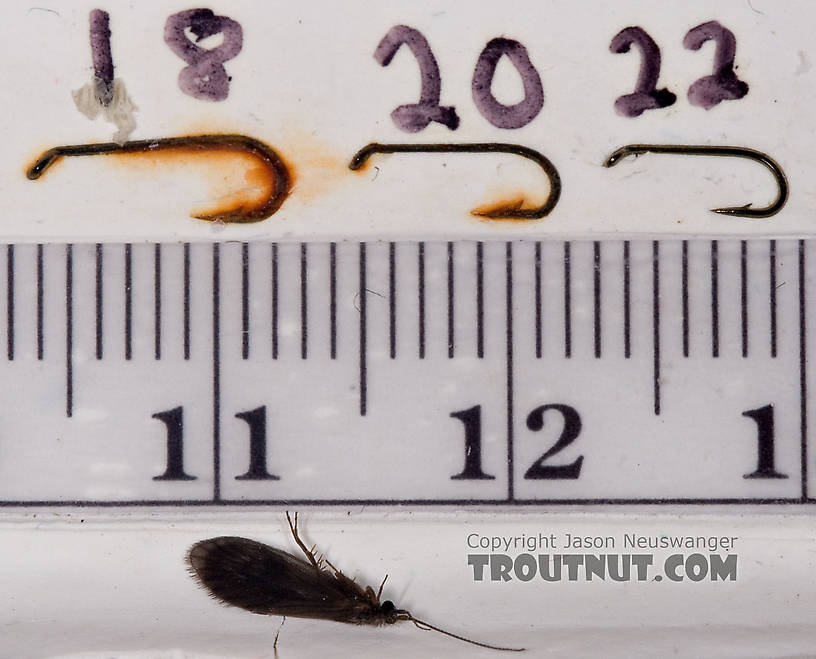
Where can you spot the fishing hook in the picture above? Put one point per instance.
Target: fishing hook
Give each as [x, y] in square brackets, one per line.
[272, 163]
[508, 211]
[727, 151]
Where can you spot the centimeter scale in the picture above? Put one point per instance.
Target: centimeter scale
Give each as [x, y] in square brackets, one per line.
[463, 373]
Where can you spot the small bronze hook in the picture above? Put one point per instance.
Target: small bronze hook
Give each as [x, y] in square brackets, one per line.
[727, 151]
[272, 162]
[510, 211]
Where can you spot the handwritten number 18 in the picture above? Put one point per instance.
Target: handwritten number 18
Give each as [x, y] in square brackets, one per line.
[205, 78]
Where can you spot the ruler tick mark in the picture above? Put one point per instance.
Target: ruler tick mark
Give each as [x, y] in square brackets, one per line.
[596, 250]
[451, 304]
[69, 330]
[333, 299]
[537, 294]
[715, 301]
[684, 295]
[157, 297]
[128, 302]
[304, 301]
[216, 361]
[772, 295]
[40, 300]
[186, 294]
[274, 284]
[10, 301]
[99, 296]
[421, 296]
[509, 359]
[803, 411]
[744, 295]
[567, 303]
[627, 305]
[656, 324]
[245, 300]
[363, 331]
[392, 300]
[480, 300]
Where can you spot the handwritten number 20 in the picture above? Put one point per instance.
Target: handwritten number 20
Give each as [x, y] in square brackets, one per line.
[498, 114]
[416, 116]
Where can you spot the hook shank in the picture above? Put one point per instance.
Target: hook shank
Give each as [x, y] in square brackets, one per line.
[723, 151]
[511, 211]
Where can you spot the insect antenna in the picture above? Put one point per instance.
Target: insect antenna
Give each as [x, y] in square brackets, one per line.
[421, 624]
[379, 592]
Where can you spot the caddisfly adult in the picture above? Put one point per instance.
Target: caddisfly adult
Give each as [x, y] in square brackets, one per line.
[269, 581]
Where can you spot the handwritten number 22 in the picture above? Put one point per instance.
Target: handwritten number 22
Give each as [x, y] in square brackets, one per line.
[707, 92]
[722, 84]
[646, 95]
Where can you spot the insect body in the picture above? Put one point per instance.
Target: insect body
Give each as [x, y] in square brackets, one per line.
[261, 579]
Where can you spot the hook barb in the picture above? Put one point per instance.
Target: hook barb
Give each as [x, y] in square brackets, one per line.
[724, 151]
[512, 211]
[278, 174]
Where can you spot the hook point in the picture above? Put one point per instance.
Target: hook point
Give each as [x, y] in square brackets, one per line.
[733, 210]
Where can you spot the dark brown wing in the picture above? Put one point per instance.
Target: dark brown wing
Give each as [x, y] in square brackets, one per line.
[259, 578]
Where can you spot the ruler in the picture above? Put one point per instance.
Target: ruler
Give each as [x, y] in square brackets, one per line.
[461, 373]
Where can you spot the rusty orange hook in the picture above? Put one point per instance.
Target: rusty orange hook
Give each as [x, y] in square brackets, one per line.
[272, 163]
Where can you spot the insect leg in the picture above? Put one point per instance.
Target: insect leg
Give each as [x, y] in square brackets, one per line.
[294, 528]
[342, 577]
[275, 644]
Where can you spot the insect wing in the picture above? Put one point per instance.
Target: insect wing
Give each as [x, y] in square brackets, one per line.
[261, 579]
